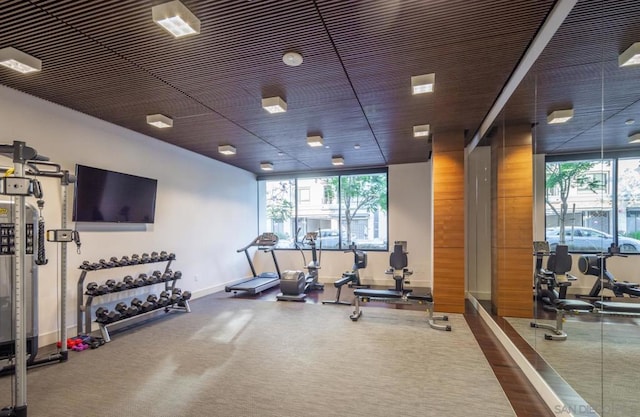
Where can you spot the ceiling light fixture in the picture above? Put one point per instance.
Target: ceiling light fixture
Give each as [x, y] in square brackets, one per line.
[423, 83]
[635, 138]
[314, 141]
[631, 56]
[19, 61]
[421, 131]
[559, 116]
[337, 160]
[266, 166]
[174, 17]
[356, 146]
[274, 105]
[159, 120]
[292, 59]
[227, 149]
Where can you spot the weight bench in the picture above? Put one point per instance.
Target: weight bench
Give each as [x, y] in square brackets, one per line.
[564, 307]
[396, 297]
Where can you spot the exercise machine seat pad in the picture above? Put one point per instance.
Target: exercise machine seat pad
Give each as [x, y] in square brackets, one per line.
[368, 293]
[569, 305]
[622, 284]
[420, 297]
[339, 283]
[618, 307]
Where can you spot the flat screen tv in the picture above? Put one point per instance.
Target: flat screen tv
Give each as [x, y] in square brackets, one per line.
[113, 197]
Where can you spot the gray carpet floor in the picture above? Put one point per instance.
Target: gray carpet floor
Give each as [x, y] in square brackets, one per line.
[233, 357]
[599, 359]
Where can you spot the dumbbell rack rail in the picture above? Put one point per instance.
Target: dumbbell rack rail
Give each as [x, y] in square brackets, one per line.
[84, 306]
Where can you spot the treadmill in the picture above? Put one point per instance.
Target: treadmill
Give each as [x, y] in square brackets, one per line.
[266, 242]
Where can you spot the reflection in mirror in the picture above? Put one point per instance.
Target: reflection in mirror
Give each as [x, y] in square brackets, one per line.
[586, 198]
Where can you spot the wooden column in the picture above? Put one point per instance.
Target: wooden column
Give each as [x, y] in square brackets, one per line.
[512, 218]
[448, 222]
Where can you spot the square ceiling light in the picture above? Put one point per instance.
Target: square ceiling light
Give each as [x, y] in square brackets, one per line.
[174, 17]
[159, 120]
[422, 83]
[227, 149]
[314, 141]
[266, 166]
[337, 160]
[421, 131]
[559, 116]
[274, 105]
[631, 56]
[19, 61]
[635, 138]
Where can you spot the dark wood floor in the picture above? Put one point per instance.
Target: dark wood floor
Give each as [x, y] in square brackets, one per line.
[523, 397]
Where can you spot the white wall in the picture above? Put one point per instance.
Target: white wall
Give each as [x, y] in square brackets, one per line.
[204, 208]
[410, 219]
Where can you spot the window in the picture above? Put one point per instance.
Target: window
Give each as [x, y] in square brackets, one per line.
[344, 209]
[591, 200]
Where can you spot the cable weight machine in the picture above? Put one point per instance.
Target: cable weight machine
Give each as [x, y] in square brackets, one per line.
[17, 186]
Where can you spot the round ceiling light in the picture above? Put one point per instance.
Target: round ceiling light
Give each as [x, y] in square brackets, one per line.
[292, 59]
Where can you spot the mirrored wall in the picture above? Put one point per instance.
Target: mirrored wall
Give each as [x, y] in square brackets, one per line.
[580, 109]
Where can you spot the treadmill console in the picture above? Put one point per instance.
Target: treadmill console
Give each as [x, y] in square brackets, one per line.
[266, 239]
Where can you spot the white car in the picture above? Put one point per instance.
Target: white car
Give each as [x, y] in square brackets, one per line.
[586, 239]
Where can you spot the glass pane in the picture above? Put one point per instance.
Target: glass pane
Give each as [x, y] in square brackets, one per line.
[318, 210]
[579, 205]
[280, 211]
[363, 205]
[629, 205]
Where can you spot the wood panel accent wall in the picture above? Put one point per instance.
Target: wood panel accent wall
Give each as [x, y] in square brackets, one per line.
[512, 218]
[448, 222]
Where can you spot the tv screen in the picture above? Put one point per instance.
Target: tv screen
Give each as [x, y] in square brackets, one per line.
[108, 196]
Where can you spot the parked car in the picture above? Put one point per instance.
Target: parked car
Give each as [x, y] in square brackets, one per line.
[587, 239]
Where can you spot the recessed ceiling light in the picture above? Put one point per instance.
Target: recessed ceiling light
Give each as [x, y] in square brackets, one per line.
[280, 153]
[635, 138]
[174, 17]
[274, 105]
[629, 122]
[292, 59]
[356, 146]
[422, 83]
[337, 160]
[19, 61]
[227, 149]
[559, 116]
[421, 131]
[631, 56]
[159, 120]
[266, 166]
[314, 141]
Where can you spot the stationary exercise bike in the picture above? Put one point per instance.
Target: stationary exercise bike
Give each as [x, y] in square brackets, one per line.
[350, 278]
[552, 282]
[596, 265]
[295, 284]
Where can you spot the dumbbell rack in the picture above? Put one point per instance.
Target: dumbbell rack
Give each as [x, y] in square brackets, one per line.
[86, 300]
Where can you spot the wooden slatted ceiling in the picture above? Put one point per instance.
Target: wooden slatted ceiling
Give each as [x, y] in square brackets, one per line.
[108, 59]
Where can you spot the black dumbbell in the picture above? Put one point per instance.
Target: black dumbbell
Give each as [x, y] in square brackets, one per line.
[87, 266]
[132, 310]
[111, 284]
[154, 257]
[145, 258]
[184, 297]
[92, 288]
[158, 275]
[164, 256]
[136, 302]
[172, 256]
[153, 300]
[128, 281]
[177, 275]
[121, 286]
[151, 279]
[114, 260]
[106, 264]
[124, 261]
[123, 309]
[140, 281]
[105, 316]
[135, 259]
[163, 301]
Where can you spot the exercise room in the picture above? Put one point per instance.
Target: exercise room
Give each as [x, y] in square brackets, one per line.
[319, 208]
